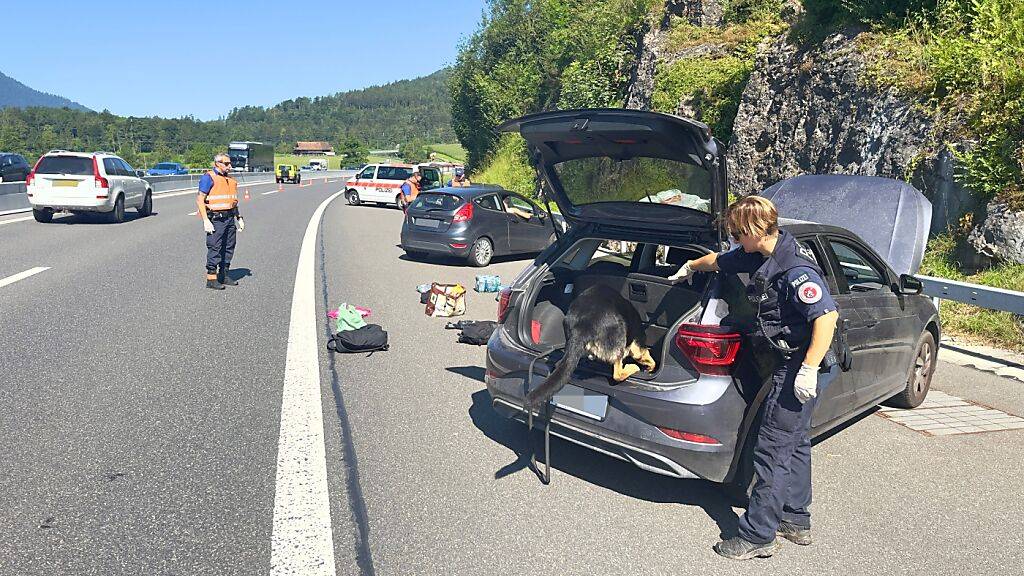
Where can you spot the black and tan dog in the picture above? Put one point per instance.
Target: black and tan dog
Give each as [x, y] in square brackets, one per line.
[605, 325]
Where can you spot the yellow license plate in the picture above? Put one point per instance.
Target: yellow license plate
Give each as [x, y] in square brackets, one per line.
[65, 183]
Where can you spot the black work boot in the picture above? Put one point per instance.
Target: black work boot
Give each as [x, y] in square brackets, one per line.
[224, 278]
[737, 548]
[796, 534]
[212, 283]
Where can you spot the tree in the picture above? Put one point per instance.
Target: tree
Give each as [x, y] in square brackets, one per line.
[414, 151]
[352, 152]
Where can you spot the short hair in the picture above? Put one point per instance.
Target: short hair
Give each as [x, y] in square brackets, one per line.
[221, 155]
[752, 215]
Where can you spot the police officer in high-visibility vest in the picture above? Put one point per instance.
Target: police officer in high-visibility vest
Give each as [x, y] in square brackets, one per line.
[460, 180]
[218, 206]
[411, 186]
[796, 320]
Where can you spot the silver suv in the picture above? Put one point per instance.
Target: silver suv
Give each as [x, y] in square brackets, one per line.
[65, 181]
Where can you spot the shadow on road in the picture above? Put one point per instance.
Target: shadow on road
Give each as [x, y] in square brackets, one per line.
[97, 218]
[603, 471]
[239, 273]
[452, 261]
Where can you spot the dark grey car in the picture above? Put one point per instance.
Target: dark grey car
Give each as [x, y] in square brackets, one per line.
[695, 415]
[13, 167]
[475, 223]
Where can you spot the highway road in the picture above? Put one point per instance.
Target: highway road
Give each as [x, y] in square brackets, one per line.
[151, 426]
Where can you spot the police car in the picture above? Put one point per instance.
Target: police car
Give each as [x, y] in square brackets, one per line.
[658, 182]
[382, 183]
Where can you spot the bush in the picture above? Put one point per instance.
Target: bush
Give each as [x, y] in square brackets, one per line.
[509, 167]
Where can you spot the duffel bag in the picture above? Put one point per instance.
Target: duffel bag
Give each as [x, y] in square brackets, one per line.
[369, 338]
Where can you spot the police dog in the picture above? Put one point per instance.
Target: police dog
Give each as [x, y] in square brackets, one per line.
[604, 325]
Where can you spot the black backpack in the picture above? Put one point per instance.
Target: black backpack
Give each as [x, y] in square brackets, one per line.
[369, 338]
[477, 333]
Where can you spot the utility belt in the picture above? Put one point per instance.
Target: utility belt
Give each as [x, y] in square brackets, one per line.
[838, 351]
[222, 214]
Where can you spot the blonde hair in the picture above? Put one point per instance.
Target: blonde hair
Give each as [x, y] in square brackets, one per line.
[753, 216]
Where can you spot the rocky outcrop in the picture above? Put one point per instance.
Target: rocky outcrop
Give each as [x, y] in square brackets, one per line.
[806, 111]
[1000, 234]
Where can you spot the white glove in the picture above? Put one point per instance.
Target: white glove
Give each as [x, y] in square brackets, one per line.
[685, 272]
[806, 385]
[207, 225]
[239, 223]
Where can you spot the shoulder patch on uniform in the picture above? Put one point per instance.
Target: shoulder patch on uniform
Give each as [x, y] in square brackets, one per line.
[799, 280]
[809, 292]
[806, 252]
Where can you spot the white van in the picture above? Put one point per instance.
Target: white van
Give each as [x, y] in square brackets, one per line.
[318, 165]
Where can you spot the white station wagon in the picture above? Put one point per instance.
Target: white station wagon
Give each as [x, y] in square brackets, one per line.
[86, 182]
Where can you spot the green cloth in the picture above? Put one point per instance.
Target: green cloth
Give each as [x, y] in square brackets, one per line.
[348, 318]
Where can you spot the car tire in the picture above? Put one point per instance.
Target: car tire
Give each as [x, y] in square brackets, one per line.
[481, 253]
[147, 206]
[278, 180]
[919, 377]
[353, 198]
[43, 215]
[117, 214]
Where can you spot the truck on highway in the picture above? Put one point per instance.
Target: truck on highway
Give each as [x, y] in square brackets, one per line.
[251, 156]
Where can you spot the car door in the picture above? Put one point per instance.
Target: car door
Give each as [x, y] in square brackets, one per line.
[877, 329]
[840, 397]
[115, 178]
[135, 187]
[492, 221]
[525, 234]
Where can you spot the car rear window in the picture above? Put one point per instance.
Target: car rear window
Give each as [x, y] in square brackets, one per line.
[393, 173]
[446, 202]
[76, 165]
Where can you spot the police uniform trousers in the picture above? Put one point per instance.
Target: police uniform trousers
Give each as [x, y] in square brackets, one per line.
[782, 457]
[220, 245]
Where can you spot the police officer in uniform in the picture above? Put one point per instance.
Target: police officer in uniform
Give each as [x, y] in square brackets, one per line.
[460, 180]
[411, 187]
[218, 206]
[796, 317]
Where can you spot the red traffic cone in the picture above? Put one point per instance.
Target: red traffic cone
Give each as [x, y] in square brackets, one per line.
[280, 187]
[246, 195]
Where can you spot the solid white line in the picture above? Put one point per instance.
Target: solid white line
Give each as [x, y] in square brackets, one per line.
[271, 192]
[22, 275]
[301, 540]
[13, 220]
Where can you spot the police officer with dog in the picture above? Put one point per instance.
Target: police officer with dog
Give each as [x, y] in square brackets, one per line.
[218, 206]
[796, 319]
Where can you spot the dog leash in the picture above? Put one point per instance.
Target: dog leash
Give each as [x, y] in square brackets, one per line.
[544, 477]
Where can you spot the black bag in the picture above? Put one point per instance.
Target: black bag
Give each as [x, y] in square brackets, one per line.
[477, 333]
[369, 338]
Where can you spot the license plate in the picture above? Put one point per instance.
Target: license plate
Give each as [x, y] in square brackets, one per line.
[70, 183]
[581, 401]
[427, 223]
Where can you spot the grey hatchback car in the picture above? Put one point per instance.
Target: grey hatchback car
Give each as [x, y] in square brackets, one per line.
[476, 223]
[656, 184]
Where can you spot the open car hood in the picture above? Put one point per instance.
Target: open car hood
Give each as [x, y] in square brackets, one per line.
[892, 217]
[626, 135]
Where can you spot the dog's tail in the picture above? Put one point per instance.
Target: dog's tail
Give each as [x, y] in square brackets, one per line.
[558, 377]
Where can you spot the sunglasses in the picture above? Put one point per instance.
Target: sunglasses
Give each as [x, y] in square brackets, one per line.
[228, 163]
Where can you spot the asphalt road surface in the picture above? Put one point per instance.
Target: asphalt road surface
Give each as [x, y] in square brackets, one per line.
[151, 426]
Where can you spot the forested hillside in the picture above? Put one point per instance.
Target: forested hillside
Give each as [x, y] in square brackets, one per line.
[15, 94]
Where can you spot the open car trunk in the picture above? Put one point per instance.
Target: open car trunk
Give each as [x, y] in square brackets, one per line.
[640, 276]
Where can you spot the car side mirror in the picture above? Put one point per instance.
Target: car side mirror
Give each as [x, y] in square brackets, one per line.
[910, 285]
[139, 173]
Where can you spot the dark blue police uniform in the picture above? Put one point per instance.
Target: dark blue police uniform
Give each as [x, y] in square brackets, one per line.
[788, 291]
[220, 245]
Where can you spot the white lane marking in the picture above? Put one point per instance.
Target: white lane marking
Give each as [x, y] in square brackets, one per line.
[12, 221]
[22, 275]
[193, 213]
[301, 540]
[271, 192]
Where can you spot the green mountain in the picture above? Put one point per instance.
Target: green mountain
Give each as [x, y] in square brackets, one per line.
[16, 94]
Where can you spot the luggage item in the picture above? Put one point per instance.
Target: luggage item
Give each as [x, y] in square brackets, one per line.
[349, 318]
[446, 300]
[369, 338]
[477, 333]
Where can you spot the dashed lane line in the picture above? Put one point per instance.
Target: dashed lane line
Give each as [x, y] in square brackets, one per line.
[22, 275]
[301, 538]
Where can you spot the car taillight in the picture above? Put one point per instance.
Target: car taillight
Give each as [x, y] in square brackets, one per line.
[711, 349]
[689, 436]
[32, 175]
[100, 181]
[504, 297]
[464, 214]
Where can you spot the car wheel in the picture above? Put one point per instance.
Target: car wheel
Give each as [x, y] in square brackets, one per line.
[117, 214]
[919, 380]
[147, 206]
[353, 198]
[43, 215]
[481, 253]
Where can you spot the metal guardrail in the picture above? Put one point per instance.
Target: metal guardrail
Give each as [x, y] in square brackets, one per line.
[975, 294]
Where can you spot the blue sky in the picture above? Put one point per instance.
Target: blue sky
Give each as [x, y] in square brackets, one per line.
[190, 58]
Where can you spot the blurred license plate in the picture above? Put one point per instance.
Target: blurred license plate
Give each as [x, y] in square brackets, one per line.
[428, 223]
[581, 401]
[65, 182]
